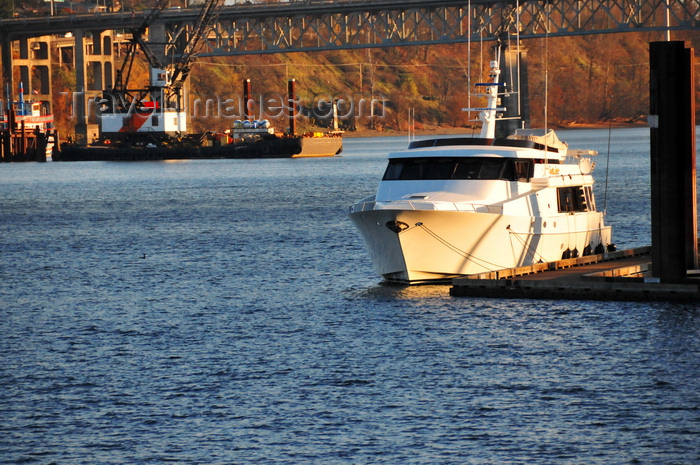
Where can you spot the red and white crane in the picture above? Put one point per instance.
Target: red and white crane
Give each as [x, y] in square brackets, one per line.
[154, 114]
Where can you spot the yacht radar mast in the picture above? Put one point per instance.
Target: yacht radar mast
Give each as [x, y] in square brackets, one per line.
[494, 110]
[489, 114]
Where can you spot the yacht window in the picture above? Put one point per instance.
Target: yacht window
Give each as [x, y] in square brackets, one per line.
[393, 171]
[440, 169]
[524, 169]
[572, 199]
[491, 168]
[467, 168]
[507, 169]
[427, 168]
[590, 199]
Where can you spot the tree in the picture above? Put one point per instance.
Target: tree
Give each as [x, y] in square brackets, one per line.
[7, 8]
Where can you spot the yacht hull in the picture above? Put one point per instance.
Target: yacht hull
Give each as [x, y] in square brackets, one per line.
[415, 246]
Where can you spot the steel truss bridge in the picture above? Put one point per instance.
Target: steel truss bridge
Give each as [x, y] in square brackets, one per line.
[308, 25]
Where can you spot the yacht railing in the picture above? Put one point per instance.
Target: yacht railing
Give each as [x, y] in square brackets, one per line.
[425, 205]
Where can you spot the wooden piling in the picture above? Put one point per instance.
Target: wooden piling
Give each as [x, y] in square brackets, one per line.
[246, 100]
[291, 90]
[22, 138]
[20, 144]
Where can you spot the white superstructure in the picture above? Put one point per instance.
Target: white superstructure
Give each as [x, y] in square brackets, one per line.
[454, 207]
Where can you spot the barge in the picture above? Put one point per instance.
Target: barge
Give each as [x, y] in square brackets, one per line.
[147, 131]
[218, 146]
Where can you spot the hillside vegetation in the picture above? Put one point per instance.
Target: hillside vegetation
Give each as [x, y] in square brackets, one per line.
[589, 80]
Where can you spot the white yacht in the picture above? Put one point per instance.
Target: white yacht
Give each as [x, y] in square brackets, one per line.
[458, 206]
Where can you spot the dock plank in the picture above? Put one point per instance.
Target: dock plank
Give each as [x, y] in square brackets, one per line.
[622, 275]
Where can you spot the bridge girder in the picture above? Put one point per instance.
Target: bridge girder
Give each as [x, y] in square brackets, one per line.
[360, 24]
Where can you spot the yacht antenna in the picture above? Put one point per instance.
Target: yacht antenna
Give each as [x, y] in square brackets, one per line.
[668, 21]
[607, 163]
[546, 80]
[481, 55]
[514, 79]
[489, 113]
[469, 58]
[517, 60]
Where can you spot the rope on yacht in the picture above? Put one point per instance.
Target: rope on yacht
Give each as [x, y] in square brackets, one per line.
[529, 248]
[460, 252]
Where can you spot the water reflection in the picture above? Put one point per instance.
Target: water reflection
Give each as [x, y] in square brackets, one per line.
[405, 292]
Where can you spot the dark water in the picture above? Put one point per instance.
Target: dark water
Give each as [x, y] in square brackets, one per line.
[255, 331]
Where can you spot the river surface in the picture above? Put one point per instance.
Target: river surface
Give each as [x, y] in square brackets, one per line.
[226, 312]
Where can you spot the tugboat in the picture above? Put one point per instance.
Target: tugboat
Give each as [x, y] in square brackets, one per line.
[453, 207]
[26, 130]
[31, 114]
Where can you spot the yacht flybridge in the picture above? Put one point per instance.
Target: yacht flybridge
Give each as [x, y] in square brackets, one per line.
[458, 206]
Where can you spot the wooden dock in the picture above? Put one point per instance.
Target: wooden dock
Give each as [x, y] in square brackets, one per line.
[621, 275]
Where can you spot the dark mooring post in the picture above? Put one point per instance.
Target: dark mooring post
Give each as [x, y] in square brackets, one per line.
[516, 98]
[673, 185]
[291, 90]
[246, 100]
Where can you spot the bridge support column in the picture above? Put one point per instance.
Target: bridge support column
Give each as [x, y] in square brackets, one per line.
[34, 65]
[31, 57]
[79, 100]
[100, 61]
[7, 63]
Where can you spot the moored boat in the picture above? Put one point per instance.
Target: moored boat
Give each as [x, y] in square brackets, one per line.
[458, 206]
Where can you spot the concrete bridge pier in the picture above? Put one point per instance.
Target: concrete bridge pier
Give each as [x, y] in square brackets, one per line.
[28, 60]
[79, 100]
[94, 59]
[31, 64]
[6, 56]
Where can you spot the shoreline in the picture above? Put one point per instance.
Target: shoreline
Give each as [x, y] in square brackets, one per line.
[427, 130]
